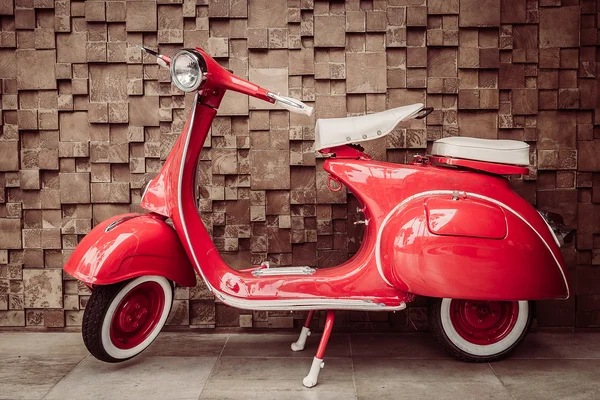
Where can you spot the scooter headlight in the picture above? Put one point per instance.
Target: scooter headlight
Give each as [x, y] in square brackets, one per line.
[187, 70]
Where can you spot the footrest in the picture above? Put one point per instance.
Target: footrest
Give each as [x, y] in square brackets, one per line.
[283, 271]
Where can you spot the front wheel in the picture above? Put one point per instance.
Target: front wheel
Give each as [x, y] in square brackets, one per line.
[479, 331]
[122, 320]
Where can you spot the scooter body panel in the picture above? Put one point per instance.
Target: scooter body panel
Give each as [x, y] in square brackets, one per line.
[444, 260]
[452, 233]
[354, 284]
[127, 246]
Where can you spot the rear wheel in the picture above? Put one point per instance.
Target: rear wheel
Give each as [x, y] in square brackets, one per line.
[122, 320]
[479, 331]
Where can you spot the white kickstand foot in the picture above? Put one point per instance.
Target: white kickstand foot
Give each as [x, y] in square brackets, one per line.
[313, 375]
[298, 345]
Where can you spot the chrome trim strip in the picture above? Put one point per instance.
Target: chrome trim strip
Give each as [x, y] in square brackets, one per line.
[450, 192]
[114, 224]
[283, 271]
[295, 304]
[307, 304]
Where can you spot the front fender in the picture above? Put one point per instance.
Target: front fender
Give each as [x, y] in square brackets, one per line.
[132, 246]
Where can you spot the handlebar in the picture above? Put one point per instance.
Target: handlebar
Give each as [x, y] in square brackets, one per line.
[242, 86]
[290, 104]
[161, 60]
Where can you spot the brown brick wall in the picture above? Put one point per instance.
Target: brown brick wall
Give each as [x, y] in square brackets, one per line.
[86, 121]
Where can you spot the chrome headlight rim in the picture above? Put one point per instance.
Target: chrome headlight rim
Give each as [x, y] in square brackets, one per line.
[200, 63]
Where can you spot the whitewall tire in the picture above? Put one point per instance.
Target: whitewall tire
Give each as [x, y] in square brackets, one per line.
[122, 320]
[479, 331]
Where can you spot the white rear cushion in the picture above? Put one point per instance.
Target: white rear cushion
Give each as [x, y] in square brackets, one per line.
[511, 152]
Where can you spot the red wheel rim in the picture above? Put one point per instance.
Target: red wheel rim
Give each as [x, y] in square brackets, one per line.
[483, 322]
[137, 315]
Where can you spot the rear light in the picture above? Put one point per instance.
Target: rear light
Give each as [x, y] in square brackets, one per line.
[562, 235]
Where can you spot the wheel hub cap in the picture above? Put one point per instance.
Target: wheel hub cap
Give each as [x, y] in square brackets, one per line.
[137, 315]
[483, 322]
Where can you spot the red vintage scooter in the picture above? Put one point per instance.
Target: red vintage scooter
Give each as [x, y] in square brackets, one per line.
[447, 226]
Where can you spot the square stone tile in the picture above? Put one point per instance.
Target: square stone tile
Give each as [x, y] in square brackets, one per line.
[71, 47]
[267, 389]
[143, 377]
[34, 69]
[400, 345]
[108, 83]
[143, 110]
[74, 187]
[10, 155]
[12, 317]
[74, 127]
[234, 103]
[550, 379]
[277, 378]
[559, 27]
[430, 391]
[29, 344]
[274, 80]
[330, 31]
[443, 371]
[279, 368]
[187, 344]
[269, 169]
[265, 13]
[270, 345]
[388, 378]
[363, 73]
[560, 345]
[141, 16]
[10, 233]
[31, 377]
[479, 13]
[43, 288]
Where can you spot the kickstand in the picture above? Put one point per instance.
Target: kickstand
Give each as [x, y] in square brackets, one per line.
[313, 375]
[299, 344]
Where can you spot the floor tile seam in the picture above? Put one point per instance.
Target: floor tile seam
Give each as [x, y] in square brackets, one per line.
[294, 357]
[500, 380]
[352, 365]
[214, 366]
[554, 358]
[65, 377]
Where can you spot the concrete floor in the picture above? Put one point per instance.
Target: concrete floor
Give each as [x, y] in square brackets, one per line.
[262, 366]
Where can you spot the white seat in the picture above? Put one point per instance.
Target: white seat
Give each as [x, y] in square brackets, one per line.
[511, 152]
[333, 132]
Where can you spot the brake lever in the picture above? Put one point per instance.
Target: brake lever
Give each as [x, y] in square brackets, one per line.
[161, 60]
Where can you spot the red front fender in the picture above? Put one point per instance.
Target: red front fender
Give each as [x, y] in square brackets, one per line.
[134, 245]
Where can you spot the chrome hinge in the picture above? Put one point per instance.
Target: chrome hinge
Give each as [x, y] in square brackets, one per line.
[456, 195]
[366, 222]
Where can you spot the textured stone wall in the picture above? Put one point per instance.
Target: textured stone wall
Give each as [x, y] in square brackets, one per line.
[86, 120]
